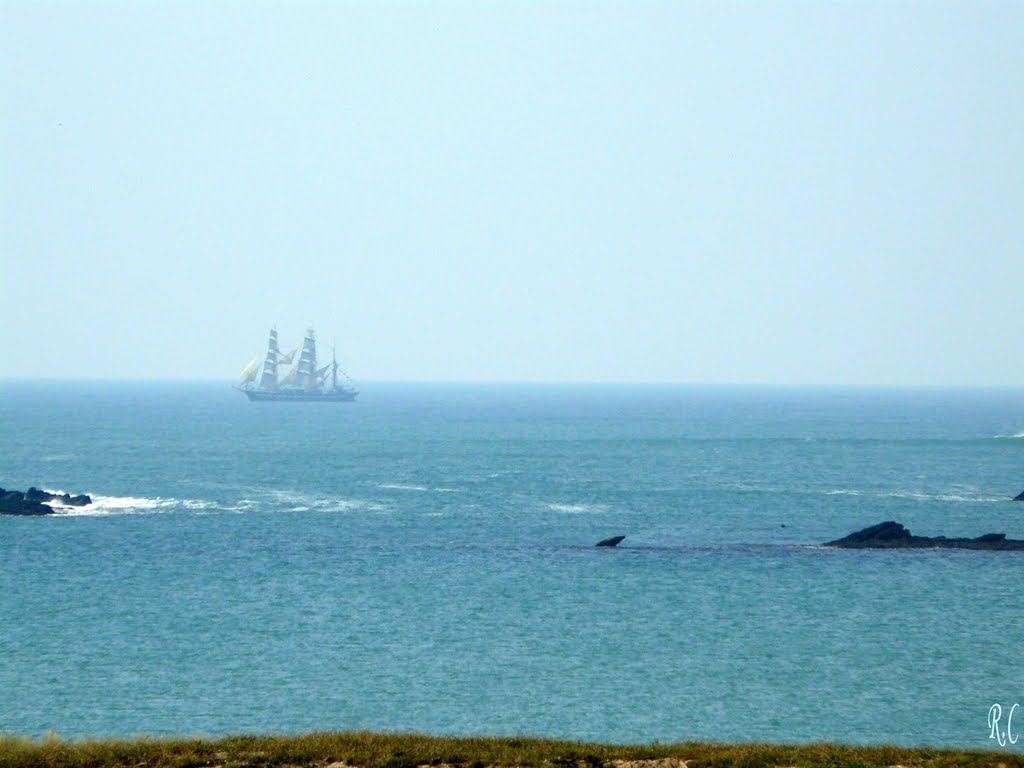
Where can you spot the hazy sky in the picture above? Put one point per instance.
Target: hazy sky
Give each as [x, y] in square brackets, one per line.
[778, 192]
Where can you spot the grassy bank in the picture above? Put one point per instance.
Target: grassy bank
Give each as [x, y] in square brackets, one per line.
[377, 750]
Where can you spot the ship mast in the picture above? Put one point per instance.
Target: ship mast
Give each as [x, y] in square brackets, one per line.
[306, 377]
[334, 368]
[269, 379]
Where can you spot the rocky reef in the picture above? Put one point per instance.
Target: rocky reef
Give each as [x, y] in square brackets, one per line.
[892, 535]
[37, 502]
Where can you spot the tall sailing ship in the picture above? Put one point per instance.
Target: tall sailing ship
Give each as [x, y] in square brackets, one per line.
[304, 382]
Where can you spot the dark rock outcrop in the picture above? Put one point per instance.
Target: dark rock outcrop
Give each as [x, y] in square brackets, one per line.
[35, 501]
[34, 494]
[892, 535]
[612, 542]
[16, 503]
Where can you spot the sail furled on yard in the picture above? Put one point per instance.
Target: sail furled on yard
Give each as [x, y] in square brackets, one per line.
[269, 380]
[306, 377]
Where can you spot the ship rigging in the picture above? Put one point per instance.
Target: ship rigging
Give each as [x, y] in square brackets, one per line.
[304, 382]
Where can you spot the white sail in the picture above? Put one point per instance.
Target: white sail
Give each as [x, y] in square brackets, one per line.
[269, 379]
[250, 371]
[287, 359]
[303, 378]
[306, 377]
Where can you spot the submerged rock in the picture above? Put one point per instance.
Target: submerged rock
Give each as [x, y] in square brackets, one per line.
[612, 542]
[892, 535]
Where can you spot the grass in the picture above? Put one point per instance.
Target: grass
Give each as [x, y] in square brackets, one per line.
[385, 750]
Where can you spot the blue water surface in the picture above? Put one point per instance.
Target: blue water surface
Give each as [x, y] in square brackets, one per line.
[423, 559]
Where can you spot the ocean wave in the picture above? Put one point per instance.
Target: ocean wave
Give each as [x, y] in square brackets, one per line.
[242, 505]
[421, 488]
[575, 509]
[129, 505]
[914, 495]
[285, 496]
[347, 505]
[297, 501]
[288, 501]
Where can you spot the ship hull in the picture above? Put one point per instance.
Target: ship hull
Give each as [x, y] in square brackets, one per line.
[301, 396]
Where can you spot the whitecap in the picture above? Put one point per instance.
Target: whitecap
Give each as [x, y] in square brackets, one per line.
[123, 505]
[956, 497]
[347, 505]
[421, 488]
[577, 508]
[199, 504]
[913, 495]
[292, 496]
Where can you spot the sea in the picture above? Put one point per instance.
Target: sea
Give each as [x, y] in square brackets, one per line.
[423, 560]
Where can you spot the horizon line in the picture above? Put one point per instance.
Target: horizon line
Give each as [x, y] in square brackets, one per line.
[534, 382]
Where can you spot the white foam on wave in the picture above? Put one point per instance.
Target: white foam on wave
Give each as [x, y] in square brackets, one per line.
[129, 505]
[286, 496]
[242, 505]
[290, 501]
[199, 504]
[347, 505]
[421, 488]
[957, 497]
[575, 509]
[296, 501]
[914, 495]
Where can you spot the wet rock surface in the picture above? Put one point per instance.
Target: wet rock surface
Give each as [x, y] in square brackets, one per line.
[893, 535]
[38, 502]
